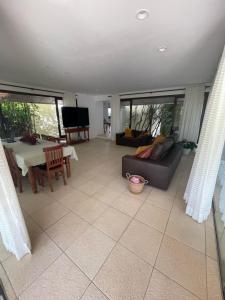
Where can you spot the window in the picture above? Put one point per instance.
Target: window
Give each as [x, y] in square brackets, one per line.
[156, 115]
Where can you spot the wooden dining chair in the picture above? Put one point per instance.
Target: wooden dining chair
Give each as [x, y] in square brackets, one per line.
[50, 138]
[54, 166]
[14, 169]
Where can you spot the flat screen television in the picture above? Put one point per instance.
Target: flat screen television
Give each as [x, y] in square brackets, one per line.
[75, 116]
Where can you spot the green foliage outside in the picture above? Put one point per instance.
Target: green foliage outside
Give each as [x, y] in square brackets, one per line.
[17, 119]
[156, 118]
[46, 120]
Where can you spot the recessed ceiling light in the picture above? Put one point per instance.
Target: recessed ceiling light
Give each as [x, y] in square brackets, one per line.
[142, 14]
[162, 49]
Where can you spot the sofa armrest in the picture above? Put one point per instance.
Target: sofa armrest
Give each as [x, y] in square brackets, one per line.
[158, 175]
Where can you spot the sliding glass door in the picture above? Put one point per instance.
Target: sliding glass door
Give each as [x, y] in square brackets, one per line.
[219, 215]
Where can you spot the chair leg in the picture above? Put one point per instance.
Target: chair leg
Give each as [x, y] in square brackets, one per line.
[64, 177]
[50, 182]
[68, 171]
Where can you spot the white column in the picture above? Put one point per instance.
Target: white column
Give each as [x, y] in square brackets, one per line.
[12, 226]
[193, 104]
[115, 116]
[201, 183]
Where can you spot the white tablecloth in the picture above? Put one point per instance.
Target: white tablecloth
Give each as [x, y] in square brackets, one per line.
[32, 155]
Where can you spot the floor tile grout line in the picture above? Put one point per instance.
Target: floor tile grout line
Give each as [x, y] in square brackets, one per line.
[11, 285]
[164, 234]
[38, 275]
[158, 251]
[132, 218]
[174, 238]
[189, 291]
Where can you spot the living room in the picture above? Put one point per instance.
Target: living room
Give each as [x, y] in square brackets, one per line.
[129, 96]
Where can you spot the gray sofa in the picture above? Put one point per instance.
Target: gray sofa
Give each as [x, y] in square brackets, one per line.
[158, 172]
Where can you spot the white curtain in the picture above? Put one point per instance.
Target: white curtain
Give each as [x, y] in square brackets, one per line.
[12, 226]
[201, 183]
[193, 104]
[115, 116]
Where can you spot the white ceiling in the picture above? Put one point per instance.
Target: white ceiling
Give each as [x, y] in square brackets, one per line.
[98, 46]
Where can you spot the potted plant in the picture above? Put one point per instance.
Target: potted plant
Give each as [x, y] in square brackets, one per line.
[193, 146]
[187, 148]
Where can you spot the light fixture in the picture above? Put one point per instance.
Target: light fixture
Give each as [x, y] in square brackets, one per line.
[162, 49]
[142, 14]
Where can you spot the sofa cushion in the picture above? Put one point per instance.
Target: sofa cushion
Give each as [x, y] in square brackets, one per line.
[160, 149]
[157, 151]
[167, 143]
[128, 133]
[141, 149]
[145, 153]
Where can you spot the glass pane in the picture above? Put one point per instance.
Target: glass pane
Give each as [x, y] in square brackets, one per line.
[125, 116]
[219, 213]
[155, 118]
[18, 118]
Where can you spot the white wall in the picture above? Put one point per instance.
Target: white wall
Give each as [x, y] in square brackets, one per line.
[95, 106]
[116, 116]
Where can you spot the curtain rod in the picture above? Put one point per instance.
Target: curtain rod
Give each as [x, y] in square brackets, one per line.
[151, 92]
[30, 88]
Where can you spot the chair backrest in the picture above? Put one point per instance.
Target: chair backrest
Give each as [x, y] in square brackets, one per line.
[53, 156]
[11, 160]
[50, 138]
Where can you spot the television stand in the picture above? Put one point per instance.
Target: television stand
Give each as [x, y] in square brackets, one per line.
[79, 130]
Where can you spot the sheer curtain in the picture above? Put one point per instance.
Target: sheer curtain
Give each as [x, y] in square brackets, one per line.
[201, 183]
[193, 104]
[12, 226]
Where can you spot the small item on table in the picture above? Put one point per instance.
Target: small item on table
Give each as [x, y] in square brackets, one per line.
[29, 139]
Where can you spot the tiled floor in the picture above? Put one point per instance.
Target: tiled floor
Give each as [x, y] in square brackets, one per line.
[93, 240]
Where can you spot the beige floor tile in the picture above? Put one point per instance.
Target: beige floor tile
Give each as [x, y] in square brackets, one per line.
[22, 273]
[90, 209]
[211, 249]
[118, 184]
[67, 230]
[93, 293]
[112, 222]
[123, 276]
[60, 190]
[163, 288]
[33, 202]
[143, 195]
[184, 265]
[142, 240]
[185, 229]
[160, 199]
[213, 280]
[179, 206]
[77, 181]
[128, 204]
[90, 251]
[107, 195]
[4, 254]
[153, 216]
[33, 229]
[71, 200]
[64, 281]
[7, 285]
[90, 187]
[49, 215]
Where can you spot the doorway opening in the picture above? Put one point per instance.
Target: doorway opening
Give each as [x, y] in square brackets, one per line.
[106, 121]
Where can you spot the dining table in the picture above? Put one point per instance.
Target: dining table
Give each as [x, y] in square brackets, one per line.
[28, 156]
